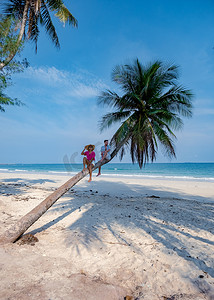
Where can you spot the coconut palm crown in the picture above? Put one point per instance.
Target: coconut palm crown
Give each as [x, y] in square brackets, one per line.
[31, 13]
[149, 110]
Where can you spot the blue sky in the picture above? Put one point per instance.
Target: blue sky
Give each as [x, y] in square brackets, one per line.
[60, 87]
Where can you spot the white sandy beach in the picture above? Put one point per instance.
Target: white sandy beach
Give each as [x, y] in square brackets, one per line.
[111, 238]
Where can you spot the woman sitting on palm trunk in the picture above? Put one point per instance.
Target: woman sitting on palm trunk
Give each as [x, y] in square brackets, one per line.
[90, 157]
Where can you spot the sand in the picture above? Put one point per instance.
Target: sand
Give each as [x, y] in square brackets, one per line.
[111, 238]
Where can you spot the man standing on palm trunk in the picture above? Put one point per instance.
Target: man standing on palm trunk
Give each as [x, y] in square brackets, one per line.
[105, 154]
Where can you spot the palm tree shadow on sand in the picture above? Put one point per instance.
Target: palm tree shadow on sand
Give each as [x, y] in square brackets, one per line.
[139, 212]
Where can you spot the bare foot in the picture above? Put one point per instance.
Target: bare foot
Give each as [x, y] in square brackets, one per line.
[89, 180]
[98, 174]
[84, 169]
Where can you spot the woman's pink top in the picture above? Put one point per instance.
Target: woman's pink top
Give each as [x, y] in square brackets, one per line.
[90, 156]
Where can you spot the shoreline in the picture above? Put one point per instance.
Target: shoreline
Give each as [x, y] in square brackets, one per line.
[146, 238]
[169, 171]
[113, 175]
[199, 190]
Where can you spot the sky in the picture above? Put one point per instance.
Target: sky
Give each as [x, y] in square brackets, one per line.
[60, 87]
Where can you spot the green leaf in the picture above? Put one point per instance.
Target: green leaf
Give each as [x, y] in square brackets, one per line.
[148, 112]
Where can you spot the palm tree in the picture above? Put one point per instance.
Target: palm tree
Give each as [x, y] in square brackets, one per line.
[31, 13]
[149, 111]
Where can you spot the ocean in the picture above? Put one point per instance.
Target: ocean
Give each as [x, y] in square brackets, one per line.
[182, 171]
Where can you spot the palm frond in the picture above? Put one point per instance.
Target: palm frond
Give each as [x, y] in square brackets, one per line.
[108, 98]
[165, 141]
[14, 8]
[178, 100]
[61, 12]
[122, 76]
[110, 118]
[34, 34]
[151, 108]
[39, 10]
[45, 20]
[167, 119]
[64, 15]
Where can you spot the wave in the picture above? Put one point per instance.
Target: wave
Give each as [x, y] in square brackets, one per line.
[62, 172]
[159, 176]
[141, 175]
[108, 174]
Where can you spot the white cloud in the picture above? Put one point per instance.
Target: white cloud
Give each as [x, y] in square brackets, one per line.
[80, 84]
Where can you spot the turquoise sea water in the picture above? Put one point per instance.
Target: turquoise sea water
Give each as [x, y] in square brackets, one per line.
[204, 171]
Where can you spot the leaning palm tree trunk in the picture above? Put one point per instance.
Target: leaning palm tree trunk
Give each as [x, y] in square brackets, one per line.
[13, 233]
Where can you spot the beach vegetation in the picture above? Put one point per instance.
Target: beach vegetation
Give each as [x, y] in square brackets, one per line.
[8, 38]
[30, 14]
[148, 108]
